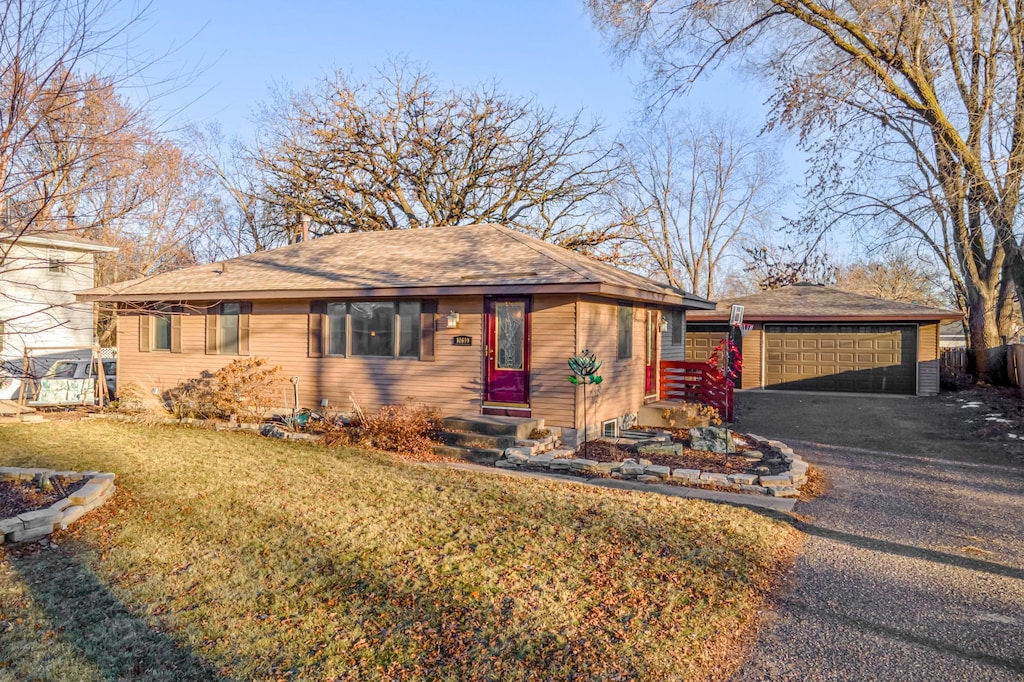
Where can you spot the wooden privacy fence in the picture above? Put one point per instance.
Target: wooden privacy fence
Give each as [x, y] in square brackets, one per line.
[954, 361]
[697, 382]
[1007, 363]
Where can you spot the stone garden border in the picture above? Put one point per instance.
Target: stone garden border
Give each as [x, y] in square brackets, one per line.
[785, 484]
[33, 525]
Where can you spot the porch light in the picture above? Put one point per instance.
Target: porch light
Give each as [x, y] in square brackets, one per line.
[663, 325]
[453, 320]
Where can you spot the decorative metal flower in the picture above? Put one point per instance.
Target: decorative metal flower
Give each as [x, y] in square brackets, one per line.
[584, 369]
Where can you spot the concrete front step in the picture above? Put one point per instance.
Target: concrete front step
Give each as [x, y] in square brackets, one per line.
[516, 427]
[476, 455]
[476, 440]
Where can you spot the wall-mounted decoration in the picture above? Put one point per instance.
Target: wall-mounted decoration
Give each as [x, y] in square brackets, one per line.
[462, 340]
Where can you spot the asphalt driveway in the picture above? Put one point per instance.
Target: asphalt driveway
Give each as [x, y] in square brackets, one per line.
[914, 563]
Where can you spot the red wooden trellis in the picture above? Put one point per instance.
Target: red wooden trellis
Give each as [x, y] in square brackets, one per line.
[696, 381]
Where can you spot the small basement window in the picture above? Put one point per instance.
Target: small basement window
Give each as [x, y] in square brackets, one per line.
[610, 429]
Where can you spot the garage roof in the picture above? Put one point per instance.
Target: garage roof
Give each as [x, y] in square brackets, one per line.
[818, 303]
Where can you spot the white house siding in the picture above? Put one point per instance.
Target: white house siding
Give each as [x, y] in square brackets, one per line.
[38, 306]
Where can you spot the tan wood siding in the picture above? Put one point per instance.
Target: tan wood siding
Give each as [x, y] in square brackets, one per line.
[928, 359]
[279, 332]
[750, 350]
[623, 387]
[552, 343]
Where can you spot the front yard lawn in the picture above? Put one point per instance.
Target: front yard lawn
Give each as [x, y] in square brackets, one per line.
[229, 556]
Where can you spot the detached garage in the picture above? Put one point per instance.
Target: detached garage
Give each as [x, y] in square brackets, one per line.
[807, 337]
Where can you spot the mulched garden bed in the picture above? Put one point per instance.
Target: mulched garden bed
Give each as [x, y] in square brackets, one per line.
[736, 463]
[18, 497]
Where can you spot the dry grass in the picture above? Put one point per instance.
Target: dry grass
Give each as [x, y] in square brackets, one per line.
[226, 556]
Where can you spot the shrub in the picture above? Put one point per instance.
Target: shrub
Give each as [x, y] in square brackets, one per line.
[135, 397]
[245, 389]
[688, 415]
[407, 428]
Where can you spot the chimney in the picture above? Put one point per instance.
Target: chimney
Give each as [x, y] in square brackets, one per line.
[304, 222]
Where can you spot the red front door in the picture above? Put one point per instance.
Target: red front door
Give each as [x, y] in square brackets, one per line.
[506, 377]
[650, 354]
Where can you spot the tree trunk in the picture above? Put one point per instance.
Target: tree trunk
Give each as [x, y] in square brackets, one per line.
[984, 330]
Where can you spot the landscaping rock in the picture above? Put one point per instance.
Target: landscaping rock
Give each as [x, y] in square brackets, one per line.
[644, 478]
[772, 481]
[606, 467]
[709, 477]
[525, 452]
[517, 458]
[11, 525]
[631, 470]
[560, 464]
[660, 449]
[29, 534]
[71, 514]
[541, 460]
[577, 464]
[712, 439]
[271, 431]
[686, 474]
[657, 470]
[87, 493]
[645, 462]
[754, 489]
[505, 464]
[784, 491]
[40, 518]
[743, 479]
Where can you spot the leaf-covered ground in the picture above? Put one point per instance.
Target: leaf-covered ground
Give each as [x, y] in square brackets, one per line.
[227, 556]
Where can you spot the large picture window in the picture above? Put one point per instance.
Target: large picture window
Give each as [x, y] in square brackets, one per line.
[373, 329]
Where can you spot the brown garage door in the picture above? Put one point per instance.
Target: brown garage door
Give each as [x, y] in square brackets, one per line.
[853, 358]
[701, 339]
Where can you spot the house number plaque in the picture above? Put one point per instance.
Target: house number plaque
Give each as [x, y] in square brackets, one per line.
[462, 340]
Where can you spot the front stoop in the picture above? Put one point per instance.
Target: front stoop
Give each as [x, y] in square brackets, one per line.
[484, 439]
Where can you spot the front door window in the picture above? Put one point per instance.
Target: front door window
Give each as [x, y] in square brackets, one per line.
[511, 320]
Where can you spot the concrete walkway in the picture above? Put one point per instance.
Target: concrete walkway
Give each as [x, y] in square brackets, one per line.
[914, 565]
[779, 504]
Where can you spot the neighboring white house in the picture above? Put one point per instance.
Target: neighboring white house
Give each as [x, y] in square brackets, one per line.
[39, 276]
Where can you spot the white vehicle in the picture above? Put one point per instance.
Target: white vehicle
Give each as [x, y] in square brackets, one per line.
[73, 381]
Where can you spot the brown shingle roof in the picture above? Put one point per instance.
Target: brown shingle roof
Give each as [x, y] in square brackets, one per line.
[812, 302]
[440, 261]
[54, 239]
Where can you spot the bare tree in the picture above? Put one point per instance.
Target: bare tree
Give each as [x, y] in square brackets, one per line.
[249, 219]
[913, 110]
[773, 265]
[694, 190]
[895, 275]
[402, 153]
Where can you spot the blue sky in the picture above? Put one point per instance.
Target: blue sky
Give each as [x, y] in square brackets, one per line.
[546, 49]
